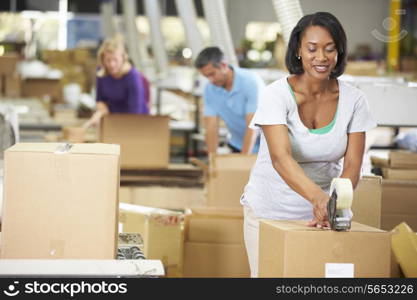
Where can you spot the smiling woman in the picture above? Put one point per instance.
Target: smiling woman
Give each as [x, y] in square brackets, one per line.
[312, 129]
[321, 27]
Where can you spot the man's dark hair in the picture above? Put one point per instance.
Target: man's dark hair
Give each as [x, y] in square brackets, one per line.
[332, 24]
[208, 55]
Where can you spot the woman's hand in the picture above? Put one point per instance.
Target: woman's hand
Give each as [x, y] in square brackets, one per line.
[94, 120]
[319, 202]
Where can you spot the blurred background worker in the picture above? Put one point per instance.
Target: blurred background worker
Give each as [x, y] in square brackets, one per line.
[121, 88]
[232, 95]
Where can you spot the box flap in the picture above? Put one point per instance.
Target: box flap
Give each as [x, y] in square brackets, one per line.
[404, 246]
[108, 149]
[292, 225]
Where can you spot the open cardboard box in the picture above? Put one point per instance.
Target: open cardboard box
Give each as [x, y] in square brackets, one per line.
[144, 140]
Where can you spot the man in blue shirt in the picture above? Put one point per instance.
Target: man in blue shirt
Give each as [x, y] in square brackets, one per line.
[232, 95]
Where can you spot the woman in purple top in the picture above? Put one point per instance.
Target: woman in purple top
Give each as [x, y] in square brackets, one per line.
[120, 87]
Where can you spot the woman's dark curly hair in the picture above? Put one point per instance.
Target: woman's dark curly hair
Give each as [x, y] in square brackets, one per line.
[332, 24]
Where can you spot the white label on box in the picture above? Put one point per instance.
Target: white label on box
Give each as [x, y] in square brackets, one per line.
[339, 270]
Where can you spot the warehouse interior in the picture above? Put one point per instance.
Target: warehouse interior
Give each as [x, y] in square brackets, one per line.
[114, 193]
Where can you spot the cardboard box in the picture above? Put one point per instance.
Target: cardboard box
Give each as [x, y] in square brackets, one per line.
[12, 85]
[214, 244]
[404, 246]
[366, 205]
[212, 225]
[397, 159]
[399, 197]
[390, 221]
[73, 134]
[52, 209]
[380, 162]
[144, 140]
[402, 174]
[162, 232]
[56, 57]
[42, 87]
[215, 260]
[125, 194]
[8, 63]
[403, 159]
[225, 178]
[399, 203]
[291, 249]
[80, 55]
[362, 68]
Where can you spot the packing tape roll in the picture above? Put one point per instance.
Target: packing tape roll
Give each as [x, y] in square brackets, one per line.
[344, 191]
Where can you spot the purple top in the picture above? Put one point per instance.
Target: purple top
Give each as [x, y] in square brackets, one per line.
[123, 95]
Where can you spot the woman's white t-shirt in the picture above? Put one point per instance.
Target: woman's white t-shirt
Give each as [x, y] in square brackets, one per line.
[319, 155]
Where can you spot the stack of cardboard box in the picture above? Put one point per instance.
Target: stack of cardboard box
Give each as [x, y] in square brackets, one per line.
[214, 244]
[225, 178]
[10, 82]
[78, 66]
[399, 189]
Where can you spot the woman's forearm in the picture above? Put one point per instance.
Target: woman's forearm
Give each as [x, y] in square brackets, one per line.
[291, 172]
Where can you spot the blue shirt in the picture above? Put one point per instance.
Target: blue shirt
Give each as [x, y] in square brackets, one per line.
[233, 106]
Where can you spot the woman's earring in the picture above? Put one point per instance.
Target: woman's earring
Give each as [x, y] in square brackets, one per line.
[298, 57]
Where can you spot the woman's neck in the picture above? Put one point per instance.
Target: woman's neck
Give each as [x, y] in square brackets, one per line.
[312, 85]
